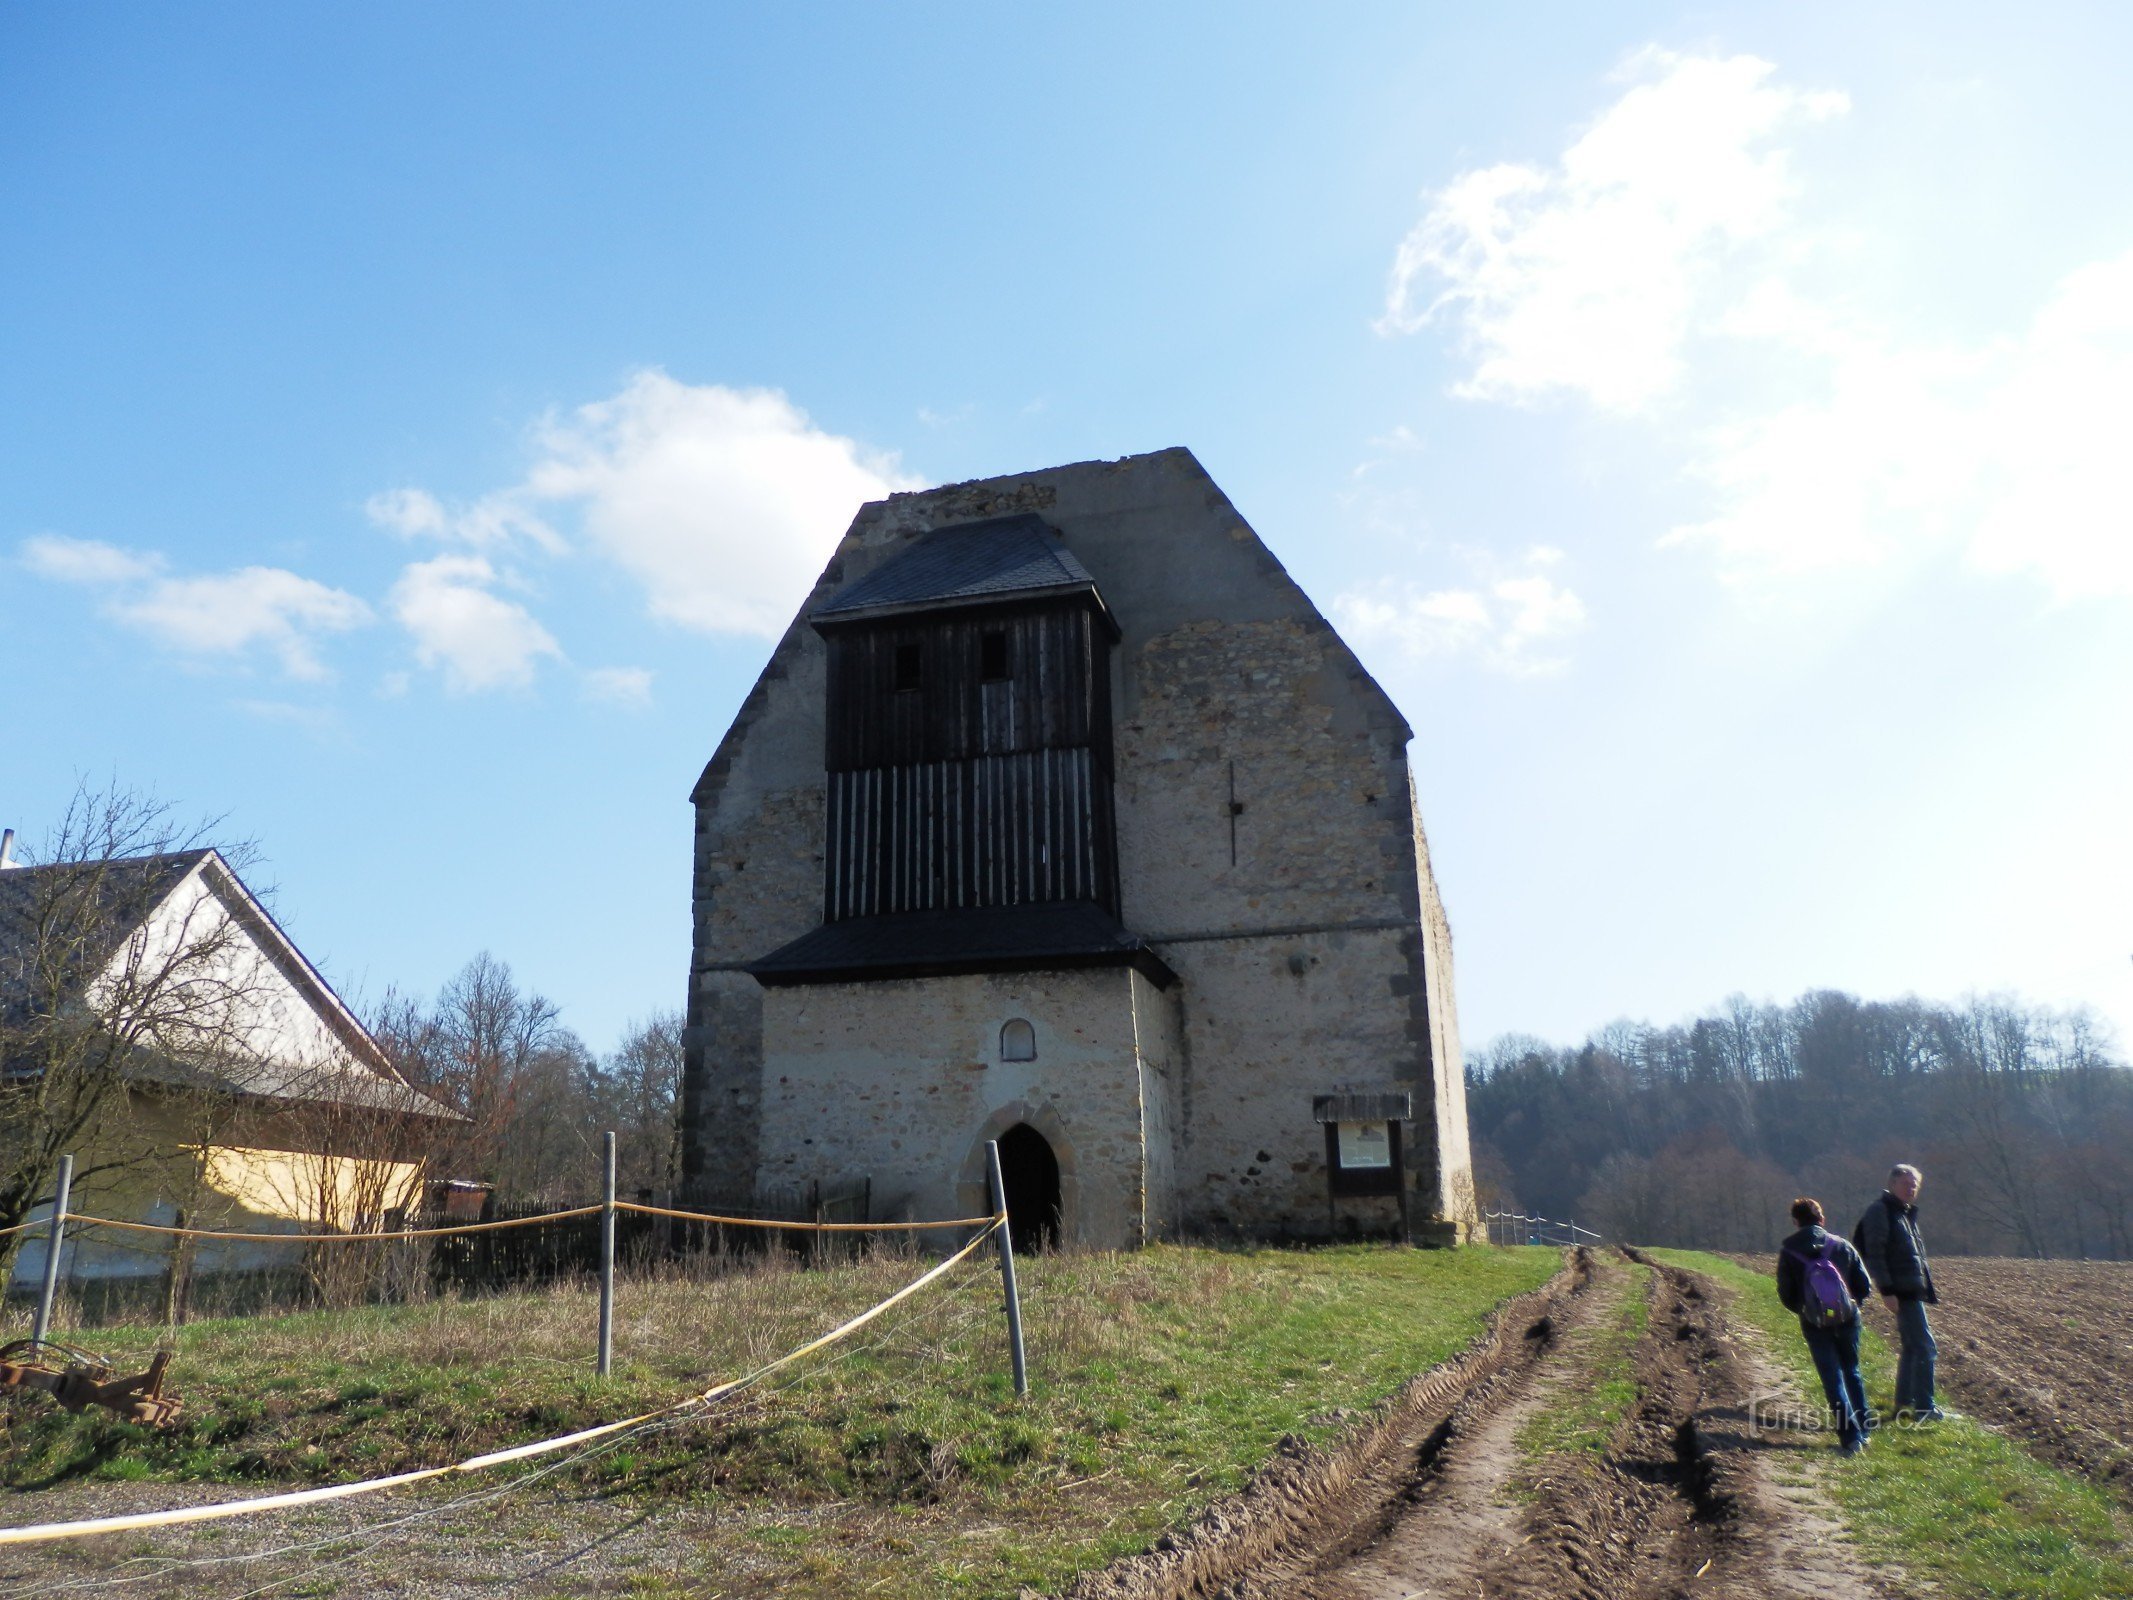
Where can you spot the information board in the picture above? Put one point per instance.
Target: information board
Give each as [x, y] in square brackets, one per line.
[1365, 1144]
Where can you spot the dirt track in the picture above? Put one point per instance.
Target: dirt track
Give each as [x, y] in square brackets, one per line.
[1442, 1498]
[2041, 1349]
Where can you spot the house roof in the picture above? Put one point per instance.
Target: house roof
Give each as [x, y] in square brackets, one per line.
[111, 899]
[921, 944]
[102, 903]
[284, 1084]
[964, 564]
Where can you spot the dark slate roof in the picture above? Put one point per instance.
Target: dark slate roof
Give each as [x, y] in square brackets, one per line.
[925, 944]
[107, 902]
[100, 903]
[965, 564]
[283, 1084]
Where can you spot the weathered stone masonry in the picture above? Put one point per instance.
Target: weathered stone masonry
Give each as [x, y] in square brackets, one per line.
[1275, 933]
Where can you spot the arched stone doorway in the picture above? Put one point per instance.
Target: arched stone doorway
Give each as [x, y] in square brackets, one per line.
[1030, 1172]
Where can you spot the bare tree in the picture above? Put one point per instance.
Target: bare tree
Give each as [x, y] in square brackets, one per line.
[112, 984]
[549, 1154]
[475, 1050]
[640, 1083]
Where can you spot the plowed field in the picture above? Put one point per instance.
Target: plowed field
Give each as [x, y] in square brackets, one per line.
[2044, 1350]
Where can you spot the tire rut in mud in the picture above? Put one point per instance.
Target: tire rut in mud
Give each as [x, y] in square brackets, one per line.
[1428, 1518]
[1309, 1504]
[1660, 1513]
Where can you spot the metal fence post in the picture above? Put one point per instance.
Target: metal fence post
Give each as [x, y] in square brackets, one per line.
[1007, 1268]
[607, 1255]
[54, 1242]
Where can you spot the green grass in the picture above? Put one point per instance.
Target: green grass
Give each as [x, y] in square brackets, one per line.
[1583, 1420]
[1160, 1380]
[1956, 1504]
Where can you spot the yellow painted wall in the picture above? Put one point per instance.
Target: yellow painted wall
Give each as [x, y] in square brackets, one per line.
[249, 1181]
[310, 1190]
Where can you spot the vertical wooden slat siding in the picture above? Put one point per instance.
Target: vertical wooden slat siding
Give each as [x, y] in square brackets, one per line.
[903, 839]
[967, 791]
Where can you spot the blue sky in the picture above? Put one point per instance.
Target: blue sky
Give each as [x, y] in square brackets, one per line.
[417, 421]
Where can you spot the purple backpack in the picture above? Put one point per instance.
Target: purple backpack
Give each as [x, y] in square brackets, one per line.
[1826, 1299]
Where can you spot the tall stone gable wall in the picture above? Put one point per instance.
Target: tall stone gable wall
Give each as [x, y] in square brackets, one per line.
[1270, 849]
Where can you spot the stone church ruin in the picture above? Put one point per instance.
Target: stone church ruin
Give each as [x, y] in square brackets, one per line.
[1061, 817]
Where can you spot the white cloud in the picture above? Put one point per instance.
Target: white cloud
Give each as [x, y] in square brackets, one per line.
[2056, 498]
[1512, 623]
[220, 614]
[1585, 277]
[2009, 451]
[1386, 448]
[230, 612]
[493, 520]
[53, 555]
[479, 639]
[411, 513]
[620, 686]
[318, 722]
[1664, 256]
[723, 503]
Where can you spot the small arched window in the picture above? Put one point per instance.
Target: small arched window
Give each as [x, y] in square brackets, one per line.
[1018, 1041]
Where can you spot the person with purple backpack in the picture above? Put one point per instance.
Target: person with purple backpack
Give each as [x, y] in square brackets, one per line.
[1822, 1281]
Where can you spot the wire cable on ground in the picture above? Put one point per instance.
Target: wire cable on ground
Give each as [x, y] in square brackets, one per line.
[44, 1532]
[364, 1539]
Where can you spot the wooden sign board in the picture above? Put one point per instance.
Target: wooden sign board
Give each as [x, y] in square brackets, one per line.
[1363, 1155]
[1363, 1158]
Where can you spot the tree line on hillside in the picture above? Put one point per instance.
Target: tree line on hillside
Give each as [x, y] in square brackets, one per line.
[1700, 1134]
[535, 1098]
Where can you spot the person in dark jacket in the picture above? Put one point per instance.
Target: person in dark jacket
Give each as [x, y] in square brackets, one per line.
[1831, 1329]
[1895, 1255]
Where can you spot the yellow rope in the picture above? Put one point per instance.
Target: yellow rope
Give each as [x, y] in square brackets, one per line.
[819, 1227]
[327, 1238]
[77, 1219]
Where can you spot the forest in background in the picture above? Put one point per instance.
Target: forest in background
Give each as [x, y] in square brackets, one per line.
[1700, 1134]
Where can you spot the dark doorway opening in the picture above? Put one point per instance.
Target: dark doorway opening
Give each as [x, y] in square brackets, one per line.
[1030, 1174]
